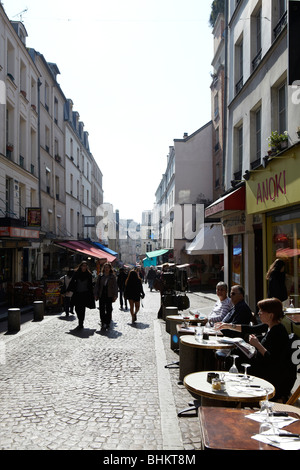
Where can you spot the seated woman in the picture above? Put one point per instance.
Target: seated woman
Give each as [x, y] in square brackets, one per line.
[272, 360]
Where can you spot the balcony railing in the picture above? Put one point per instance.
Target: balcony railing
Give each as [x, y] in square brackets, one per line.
[239, 85]
[256, 60]
[280, 25]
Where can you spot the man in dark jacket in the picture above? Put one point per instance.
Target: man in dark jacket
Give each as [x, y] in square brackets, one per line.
[240, 313]
[121, 285]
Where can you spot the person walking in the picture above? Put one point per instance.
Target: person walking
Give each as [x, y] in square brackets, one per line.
[67, 295]
[134, 292]
[106, 290]
[122, 276]
[82, 287]
[276, 280]
[151, 276]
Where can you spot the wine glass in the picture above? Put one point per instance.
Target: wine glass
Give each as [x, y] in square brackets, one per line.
[265, 405]
[233, 369]
[245, 377]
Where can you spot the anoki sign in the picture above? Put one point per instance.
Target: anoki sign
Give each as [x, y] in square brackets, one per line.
[277, 186]
[271, 188]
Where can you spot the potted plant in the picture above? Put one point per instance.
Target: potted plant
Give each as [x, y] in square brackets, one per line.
[283, 143]
[277, 141]
[9, 147]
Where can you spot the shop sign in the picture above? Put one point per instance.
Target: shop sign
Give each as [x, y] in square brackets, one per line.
[271, 188]
[274, 187]
[235, 224]
[18, 232]
[34, 216]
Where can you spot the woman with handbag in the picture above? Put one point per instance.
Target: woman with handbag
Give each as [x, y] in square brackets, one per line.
[83, 295]
[134, 292]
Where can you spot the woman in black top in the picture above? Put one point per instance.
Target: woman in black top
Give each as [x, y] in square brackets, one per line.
[106, 290]
[133, 292]
[82, 287]
[276, 278]
[272, 360]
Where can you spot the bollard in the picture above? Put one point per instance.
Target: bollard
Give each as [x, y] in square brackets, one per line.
[13, 319]
[38, 310]
[169, 311]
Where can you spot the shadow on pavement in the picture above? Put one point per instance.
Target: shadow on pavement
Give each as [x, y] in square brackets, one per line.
[82, 333]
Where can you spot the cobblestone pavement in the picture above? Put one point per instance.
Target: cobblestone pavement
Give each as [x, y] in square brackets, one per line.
[68, 389]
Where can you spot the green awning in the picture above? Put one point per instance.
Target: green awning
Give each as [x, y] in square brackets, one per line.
[154, 254]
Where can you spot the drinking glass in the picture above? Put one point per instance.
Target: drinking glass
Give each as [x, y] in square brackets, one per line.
[233, 369]
[199, 333]
[245, 377]
[212, 325]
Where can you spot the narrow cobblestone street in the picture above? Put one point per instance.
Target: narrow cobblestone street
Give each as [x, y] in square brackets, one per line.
[68, 389]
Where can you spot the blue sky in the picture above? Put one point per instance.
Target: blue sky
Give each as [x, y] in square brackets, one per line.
[138, 73]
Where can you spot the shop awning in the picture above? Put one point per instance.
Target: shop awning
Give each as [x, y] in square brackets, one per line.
[104, 248]
[155, 254]
[234, 201]
[87, 249]
[209, 241]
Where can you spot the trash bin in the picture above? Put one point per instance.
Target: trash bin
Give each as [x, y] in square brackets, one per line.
[38, 310]
[13, 319]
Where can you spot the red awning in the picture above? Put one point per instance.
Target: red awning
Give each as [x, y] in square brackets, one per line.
[234, 201]
[87, 249]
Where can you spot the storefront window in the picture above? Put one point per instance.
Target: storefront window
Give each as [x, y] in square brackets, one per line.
[236, 260]
[286, 246]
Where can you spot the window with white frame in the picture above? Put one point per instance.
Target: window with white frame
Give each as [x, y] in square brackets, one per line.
[256, 42]
[9, 196]
[255, 135]
[239, 57]
[282, 109]
[238, 151]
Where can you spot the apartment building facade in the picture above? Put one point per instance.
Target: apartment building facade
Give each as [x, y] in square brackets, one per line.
[259, 211]
[19, 183]
[187, 182]
[36, 194]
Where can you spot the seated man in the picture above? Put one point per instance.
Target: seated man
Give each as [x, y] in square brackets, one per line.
[240, 312]
[222, 306]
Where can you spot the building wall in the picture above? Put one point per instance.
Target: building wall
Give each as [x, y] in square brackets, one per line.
[18, 164]
[32, 112]
[257, 91]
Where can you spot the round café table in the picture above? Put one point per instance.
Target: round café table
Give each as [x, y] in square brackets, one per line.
[197, 355]
[255, 391]
[173, 320]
